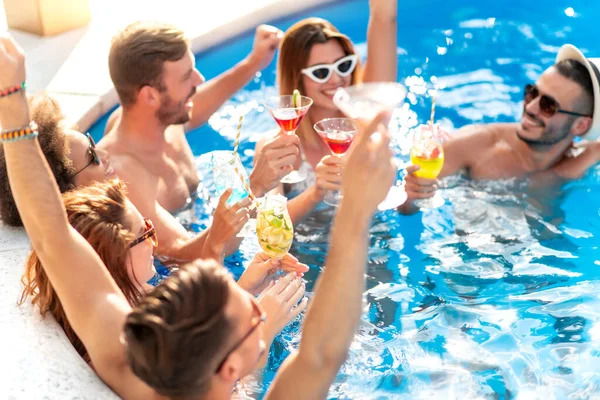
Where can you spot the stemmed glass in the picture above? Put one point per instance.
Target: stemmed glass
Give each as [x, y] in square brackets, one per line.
[225, 176]
[274, 227]
[288, 116]
[428, 153]
[338, 133]
[364, 101]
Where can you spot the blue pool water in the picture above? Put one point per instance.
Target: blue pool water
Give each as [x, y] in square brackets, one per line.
[495, 294]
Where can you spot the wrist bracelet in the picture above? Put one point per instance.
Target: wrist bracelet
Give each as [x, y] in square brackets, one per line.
[28, 132]
[13, 89]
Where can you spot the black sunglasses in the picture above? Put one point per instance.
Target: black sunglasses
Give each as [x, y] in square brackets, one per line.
[260, 319]
[149, 233]
[92, 151]
[548, 105]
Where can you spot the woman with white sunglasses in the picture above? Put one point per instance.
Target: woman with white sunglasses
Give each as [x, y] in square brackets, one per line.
[315, 58]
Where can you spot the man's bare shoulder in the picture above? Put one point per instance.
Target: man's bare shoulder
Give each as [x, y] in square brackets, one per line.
[485, 132]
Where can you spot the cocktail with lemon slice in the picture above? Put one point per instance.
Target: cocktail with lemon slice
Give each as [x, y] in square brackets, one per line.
[274, 227]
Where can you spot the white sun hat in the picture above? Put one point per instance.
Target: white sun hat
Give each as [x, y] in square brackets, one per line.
[568, 51]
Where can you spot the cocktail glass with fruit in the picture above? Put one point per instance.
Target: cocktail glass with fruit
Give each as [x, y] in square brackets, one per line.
[364, 101]
[338, 133]
[428, 153]
[274, 227]
[288, 112]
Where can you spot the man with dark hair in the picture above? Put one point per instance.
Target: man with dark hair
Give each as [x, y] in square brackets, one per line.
[563, 104]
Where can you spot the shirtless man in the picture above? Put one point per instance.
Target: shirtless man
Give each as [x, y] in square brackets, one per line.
[152, 68]
[557, 108]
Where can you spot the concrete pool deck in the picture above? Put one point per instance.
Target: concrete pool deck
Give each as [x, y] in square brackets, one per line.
[38, 360]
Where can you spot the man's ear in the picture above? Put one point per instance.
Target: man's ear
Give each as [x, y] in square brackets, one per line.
[148, 95]
[581, 126]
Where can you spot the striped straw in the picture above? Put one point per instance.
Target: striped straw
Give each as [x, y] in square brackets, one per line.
[246, 186]
[237, 171]
[432, 109]
[237, 136]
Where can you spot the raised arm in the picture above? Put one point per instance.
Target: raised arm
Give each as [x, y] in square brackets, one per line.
[91, 299]
[335, 311]
[212, 94]
[382, 59]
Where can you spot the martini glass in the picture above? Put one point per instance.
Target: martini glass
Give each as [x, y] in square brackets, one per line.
[364, 101]
[288, 116]
[338, 133]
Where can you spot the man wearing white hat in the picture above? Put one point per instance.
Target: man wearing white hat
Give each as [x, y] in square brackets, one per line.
[564, 103]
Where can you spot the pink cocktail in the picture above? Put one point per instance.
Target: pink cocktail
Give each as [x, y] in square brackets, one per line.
[338, 133]
[288, 116]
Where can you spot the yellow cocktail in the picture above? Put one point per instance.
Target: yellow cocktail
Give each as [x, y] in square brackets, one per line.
[431, 164]
[428, 153]
[274, 227]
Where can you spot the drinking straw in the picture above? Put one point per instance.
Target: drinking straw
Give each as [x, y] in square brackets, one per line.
[432, 109]
[246, 186]
[237, 171]
[237, 136]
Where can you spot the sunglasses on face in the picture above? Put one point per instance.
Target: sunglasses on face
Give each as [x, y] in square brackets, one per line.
[322, 72]
[149, 233]
[92, 152]
[548, 105]
[259, 317]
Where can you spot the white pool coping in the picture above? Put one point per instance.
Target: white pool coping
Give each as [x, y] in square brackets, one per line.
[37, 359]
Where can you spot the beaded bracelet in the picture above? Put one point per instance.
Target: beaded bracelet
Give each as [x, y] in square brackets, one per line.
[28, 132]
[13, 89]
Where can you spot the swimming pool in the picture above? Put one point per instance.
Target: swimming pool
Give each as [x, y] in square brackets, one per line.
[494, 295]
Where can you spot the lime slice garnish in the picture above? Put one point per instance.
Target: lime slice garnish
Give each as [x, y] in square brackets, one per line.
[276, 222]
[296, 101]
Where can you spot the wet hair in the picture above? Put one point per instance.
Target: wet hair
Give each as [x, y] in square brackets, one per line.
[578, 73]
[46, 112]
[99, 213]
[294, 52]
[177, 334]
[137, 55]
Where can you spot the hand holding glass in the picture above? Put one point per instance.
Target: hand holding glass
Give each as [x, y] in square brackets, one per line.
[428, 153]
[224, 166]
[288, 116]
[364, 102]
[338, 133]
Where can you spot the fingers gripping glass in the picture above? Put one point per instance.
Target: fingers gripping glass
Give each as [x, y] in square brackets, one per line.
[92, 151]
[548, 105]
[260, 317]
[149, 233]
[322, 72]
